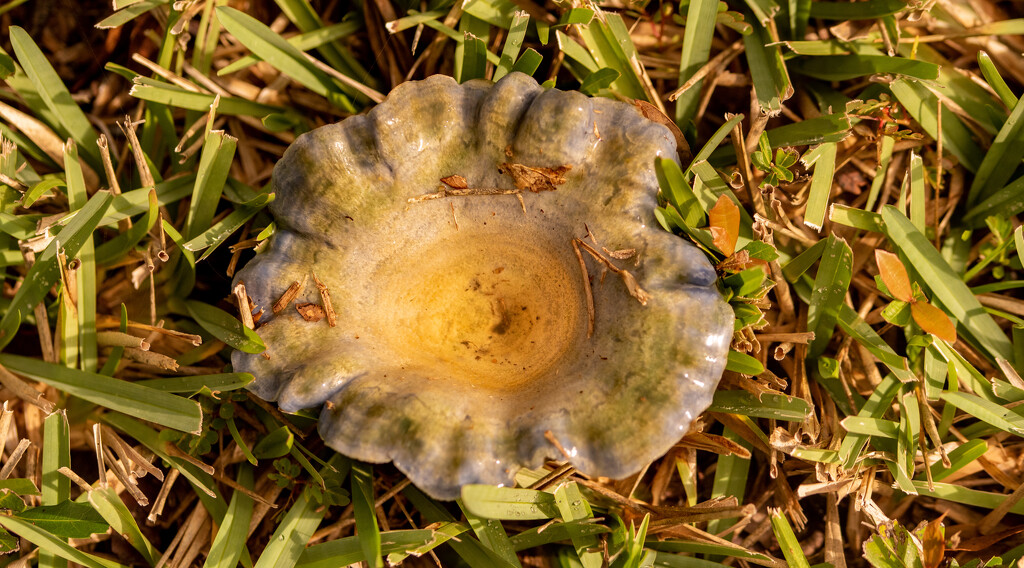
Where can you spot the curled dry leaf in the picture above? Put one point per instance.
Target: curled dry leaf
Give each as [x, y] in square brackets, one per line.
[894, 274]
[534, 179]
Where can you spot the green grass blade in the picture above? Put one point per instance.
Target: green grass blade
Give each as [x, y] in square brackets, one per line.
[225, 327]
[958, 458]
[787, 540]
[148, 404]
[303, 42]
[1001, 160]
[52, 544]
[768, 70]
[886, 144]
[844, 67]
[731, 473]
[917, 193]
[823, 159]
[78, 197]
[113, 510]
[995, 80]
[469, 549]
[936, 276]
[306, 18]
[210, 239]
[493, 536]
[829, 292]
[506, 503]
[53, 92]
[223, 382]
[572, 506]
[233, 532]
[45, 272]
[777, 406]
[867, 10]
[923, 105]
[214, 166]
[700, 26]
[513, 43]
[365, 514]
[280, 54]
[55, 487]
[986, 411]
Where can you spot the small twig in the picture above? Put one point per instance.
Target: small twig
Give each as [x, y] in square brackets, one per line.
[628, 279]
[587, 290]
[325, 295]
[290, 294]
[451, 192]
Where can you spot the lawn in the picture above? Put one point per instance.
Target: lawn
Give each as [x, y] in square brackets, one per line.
[852, 170]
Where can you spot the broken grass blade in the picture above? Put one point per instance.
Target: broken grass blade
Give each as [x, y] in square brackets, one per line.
[777, 406]
[856, 218]
[700, 20]
[936, 276]
[230, 540]
[854, 326]
[172, 96]
[823, 159]
[113, 510]
[214, 166]
[473, 63]
[506, 503]
[128, 13]
[513, 43]
[768, 70]
[148, 404]
[210, 239]
[281, 55]
[45, 272]
[964, 454]
[835, 271]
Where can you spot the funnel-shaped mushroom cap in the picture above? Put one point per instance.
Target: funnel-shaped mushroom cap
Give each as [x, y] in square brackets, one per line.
[540, 296]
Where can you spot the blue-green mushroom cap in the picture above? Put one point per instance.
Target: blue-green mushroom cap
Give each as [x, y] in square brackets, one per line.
[532, 298]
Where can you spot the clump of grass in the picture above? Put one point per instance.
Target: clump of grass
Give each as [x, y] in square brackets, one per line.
[852, 170]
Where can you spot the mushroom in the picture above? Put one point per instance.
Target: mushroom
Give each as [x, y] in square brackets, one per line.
[495, 286]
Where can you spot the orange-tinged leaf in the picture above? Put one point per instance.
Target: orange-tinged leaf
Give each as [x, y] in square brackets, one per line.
[725, 225]
[933, 320]
[934, 544]
[894, 274]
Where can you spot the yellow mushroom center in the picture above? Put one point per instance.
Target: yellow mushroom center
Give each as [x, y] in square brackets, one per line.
[483, 308]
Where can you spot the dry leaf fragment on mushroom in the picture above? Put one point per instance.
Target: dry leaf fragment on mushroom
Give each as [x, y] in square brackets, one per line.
[310, 312]
[534, 179]
[455, 181]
